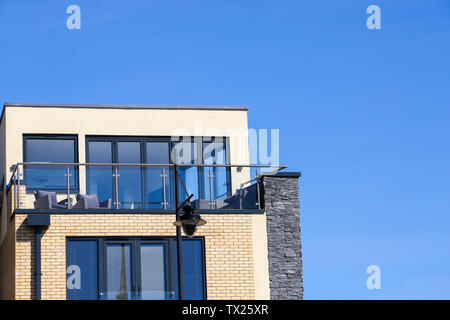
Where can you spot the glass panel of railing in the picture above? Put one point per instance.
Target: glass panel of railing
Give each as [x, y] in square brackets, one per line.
[130, 187]
[49, 177]
[248, 196]
[99, 181]
[215, 186]
[143, 186]
[158, 184]
[216, 183]
[188, 181]
[211, 186]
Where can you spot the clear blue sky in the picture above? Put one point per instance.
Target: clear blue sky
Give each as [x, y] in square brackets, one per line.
[363, 114]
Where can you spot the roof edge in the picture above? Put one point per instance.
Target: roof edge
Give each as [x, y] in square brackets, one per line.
[122, 106]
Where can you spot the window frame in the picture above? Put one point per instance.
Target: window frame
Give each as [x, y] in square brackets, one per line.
[136, 241]
[73, 137]
[99, 260]
[198, 140]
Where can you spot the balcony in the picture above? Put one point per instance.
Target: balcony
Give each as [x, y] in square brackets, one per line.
[135, 188]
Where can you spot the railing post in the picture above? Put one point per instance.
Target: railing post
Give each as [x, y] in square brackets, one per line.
[258, 203]
[163, 175]
[240, 197]
[13, 185]
[69, 204]
[116, 187]
[211, 195]
[18, 187]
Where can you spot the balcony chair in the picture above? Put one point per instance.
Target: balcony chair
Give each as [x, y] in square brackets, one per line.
[47, 200]
[90, 201]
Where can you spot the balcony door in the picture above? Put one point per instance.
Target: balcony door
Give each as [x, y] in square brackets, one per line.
[158, 179]
[50, 149]
[138, 187]
[133, 269]
[130, 177]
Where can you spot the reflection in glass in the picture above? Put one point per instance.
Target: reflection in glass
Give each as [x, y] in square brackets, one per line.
[153, 283]
[193, 269]
[99, 178]
[118, 272]
[214, 153]
[49, 150]
[186, 153]
[82, 267]
[157, 153]
[130, 191]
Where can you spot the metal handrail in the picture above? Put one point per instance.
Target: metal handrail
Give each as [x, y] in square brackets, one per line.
[154, 165]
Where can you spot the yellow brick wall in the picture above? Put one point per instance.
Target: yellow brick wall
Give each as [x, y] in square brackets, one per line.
[7, 247]
[7, 285]
[228, 249]
[13, 198]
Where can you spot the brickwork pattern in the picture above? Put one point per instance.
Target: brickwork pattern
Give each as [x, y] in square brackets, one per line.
[228, 249]
[8, 245]
[7, 279]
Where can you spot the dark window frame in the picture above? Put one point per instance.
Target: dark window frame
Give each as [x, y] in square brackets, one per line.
[73, 137]
[226, 141]
[114, 140]
[136, 241]
[199, 140]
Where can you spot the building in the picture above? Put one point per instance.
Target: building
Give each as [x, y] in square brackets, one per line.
[88, 205]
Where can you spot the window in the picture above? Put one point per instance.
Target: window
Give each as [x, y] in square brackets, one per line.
[188, 151]
[82, 270]
[99, 178]
[205, 183]
[214, 152]
[50, 149]
[157, 153]
[138, 187]
[152, 186]
[130, 181]
[133, 269]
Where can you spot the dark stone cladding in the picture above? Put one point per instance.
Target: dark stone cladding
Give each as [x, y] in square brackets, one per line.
[282, 205]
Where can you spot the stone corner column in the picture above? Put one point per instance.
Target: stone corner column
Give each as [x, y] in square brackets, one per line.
[280, 197]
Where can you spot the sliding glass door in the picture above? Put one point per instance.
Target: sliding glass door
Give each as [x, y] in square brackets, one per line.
[157, 179]
[100, 178]
[138, 186]
[152, 272]
[133, 269]
[118, 272]
[130, 177]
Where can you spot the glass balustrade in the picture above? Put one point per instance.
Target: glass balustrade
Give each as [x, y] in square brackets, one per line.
[134, 186]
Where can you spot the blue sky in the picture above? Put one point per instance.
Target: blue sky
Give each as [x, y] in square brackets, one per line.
[363, 114]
